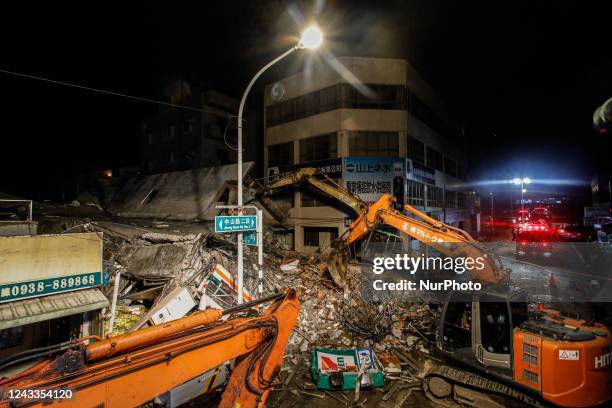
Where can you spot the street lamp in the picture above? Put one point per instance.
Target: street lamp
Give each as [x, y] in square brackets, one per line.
[311, 39]
[521, 181]
[492, 227]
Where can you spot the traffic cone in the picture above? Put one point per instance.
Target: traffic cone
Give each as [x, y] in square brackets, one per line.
[552, 281]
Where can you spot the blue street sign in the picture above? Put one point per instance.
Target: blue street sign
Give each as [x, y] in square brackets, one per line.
[250, 238]
[235, 223]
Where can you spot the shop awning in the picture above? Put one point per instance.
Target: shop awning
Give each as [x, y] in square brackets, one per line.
[22, 312]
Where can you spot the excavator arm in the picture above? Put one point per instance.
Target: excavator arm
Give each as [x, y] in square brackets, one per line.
[131, 369]
[327, 186]
[444, 238]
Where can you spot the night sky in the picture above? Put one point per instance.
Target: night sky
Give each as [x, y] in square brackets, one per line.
[521, 77]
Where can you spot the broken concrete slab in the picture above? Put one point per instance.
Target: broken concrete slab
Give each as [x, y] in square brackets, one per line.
[180, 195]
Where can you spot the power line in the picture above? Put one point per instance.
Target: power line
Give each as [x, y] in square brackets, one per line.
[137, 98]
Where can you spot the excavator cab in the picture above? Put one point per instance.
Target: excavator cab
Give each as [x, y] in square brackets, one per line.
[477, 328]
[496, 333]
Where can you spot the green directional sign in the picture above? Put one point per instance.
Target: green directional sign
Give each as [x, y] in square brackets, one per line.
[235, 223]
[250, 238]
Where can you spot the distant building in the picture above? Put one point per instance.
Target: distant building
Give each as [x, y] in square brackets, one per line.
[379, 128]
[182, 139]
[600, 211]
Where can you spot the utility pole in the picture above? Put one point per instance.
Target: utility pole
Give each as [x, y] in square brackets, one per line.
[311, 39]
[492, 226]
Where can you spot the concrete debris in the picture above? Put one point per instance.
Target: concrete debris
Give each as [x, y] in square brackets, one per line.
[290, 265]
[157, 265]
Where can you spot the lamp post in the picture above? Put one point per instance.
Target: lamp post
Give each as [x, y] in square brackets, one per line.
[518, 181]
[492, 227]
[311, 39]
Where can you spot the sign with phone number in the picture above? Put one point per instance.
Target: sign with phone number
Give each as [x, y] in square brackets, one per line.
[42, 287]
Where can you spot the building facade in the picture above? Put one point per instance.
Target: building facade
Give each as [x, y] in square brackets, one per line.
[180, 139]
[376, 127]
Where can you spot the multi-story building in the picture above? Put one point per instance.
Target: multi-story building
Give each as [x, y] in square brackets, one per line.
[180, 139]
[375, 126]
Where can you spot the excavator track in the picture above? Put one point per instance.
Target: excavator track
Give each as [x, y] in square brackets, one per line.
[439, 382]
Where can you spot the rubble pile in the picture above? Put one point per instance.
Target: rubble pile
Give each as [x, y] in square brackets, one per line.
[330, 317]
[160, 267]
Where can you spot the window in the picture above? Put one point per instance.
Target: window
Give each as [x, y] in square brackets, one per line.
[434, 158]
[317, 237]
[287, 112]
[382, 97]
[415, 192]
[319, 148]
[328, 99]
[171, 157]
[300, 107]
[382, 144]
[462, 201]
[495, 324]
[450, 199]
[149, 138]
[311, 236]
[457, 322]
[188, 125]
[460, 171]
[313, 104]
[450, 166]
[273, 115]
[424, 113]
[416, 150]
[334, 97]
[150, 196]
[434, 196]
[280, 154]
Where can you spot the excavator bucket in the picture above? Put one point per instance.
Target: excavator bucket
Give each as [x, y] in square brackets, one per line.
[336, 265]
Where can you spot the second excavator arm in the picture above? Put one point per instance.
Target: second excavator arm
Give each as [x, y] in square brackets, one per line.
[444, 238]
[326, 185]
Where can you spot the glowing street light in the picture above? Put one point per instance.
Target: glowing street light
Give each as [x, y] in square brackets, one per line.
[311, 39]
[521, 182]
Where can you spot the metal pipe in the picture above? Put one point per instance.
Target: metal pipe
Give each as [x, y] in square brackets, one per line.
[114, 304]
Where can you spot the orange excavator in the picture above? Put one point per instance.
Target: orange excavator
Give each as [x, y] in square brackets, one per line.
[132, 369]
[527, 355]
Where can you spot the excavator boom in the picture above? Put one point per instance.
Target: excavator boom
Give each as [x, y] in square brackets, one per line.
[131, 369]
[327, 186]
[443, 238]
